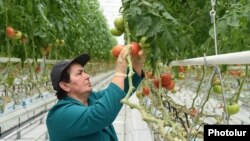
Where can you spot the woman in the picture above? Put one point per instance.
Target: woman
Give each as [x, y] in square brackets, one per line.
[81, 114]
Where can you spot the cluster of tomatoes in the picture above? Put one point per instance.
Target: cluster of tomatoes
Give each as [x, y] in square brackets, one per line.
[236, 73]
[118, 29]
[165, 81]
[216, 84]
[134, 49]
[13, 34]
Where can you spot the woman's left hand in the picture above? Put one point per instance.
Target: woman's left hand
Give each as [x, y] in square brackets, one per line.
[138, 62]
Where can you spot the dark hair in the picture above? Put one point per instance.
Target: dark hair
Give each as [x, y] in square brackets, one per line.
[65, 77]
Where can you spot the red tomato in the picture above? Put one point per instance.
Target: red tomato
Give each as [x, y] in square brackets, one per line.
[10, 32]
[181, 69]
[145, 91]
[149, 74]
[165, 78]
[232, 72]
[116, 50]
[156, 82]
[193, 112]
[238, 72]
[171, 85]
[38, 69]
[135, 48]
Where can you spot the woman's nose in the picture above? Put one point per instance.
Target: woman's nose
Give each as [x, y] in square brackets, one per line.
[86, 75]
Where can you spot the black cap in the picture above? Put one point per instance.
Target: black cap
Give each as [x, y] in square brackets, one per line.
[59, 67]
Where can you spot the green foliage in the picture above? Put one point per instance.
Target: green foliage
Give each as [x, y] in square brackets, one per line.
[182, 29]
[80, 24]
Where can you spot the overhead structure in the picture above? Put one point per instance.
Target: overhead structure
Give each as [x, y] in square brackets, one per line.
[229, 58]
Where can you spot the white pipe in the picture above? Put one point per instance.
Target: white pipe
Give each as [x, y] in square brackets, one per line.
[230, 58]
[17, 60]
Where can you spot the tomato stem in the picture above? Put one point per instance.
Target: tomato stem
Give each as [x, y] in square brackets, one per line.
[241, 85]
[199, 86]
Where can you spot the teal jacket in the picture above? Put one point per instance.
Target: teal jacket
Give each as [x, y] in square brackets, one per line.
[70, 120]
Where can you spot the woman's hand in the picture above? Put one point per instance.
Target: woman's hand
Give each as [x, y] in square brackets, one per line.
[121, 68]
[121, 63]
[138, 62]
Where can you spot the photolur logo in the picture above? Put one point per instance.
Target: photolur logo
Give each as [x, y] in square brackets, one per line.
[214, 132]
[217, 132]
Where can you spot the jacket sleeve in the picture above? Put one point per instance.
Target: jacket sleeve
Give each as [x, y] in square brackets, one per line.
[136, 80]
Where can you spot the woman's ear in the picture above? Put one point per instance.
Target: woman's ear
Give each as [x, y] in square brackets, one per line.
[64, 86]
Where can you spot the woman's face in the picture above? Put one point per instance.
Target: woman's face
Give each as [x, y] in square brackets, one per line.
[79, 80]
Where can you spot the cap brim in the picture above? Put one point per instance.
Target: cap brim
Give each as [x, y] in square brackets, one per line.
[82, 59]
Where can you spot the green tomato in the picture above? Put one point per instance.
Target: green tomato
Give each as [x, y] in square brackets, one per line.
[216, 81]
[61, 42]
[232, 108]
[217, 89]
[116, 32]
[18, 35]
[181, 76]
[119, 23]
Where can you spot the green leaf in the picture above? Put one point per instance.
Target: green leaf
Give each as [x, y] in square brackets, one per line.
[143, 25]
[146, 3]
[168, 16]
[233, 21]
[41, 10]
[155, 28]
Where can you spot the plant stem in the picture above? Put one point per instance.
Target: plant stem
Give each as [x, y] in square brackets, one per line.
[199, 86]
[241, 85]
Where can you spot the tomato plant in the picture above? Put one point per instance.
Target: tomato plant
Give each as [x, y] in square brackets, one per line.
[41, 23]
[152, 22]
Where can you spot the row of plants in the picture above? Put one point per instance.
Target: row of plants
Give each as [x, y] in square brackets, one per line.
[20, 83]
[54, 29]
[48, 30]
